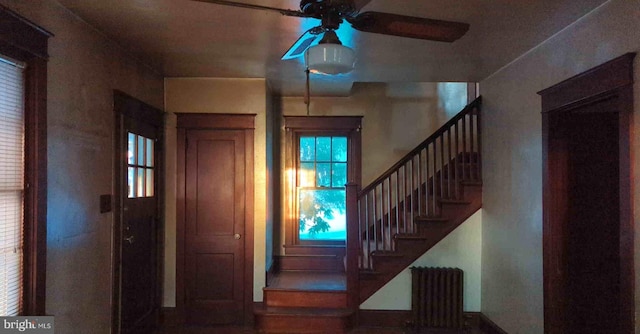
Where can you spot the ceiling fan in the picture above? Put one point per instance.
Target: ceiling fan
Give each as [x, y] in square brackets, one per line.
[333, 12]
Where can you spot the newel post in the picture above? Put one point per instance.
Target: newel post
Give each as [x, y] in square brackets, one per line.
[353, 247]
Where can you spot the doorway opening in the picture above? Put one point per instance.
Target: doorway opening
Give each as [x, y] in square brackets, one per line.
[588, 227]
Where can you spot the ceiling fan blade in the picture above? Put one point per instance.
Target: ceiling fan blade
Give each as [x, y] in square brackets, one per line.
[286, 12]
[359, 4]
[303, 43]
[409, 26]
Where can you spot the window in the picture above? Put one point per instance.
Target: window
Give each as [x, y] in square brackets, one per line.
[23, 165]
[140, 174]
[11, 186]
[323, 156]
[322, 175]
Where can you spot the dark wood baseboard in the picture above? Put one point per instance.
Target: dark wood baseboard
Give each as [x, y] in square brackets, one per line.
[489, 327]
[271, 272]
[383, 318]
[401, 319]
[169, 317]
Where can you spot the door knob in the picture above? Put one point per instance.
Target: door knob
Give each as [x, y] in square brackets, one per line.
[129, 239]
[236, 236]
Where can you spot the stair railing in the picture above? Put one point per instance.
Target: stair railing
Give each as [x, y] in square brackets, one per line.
[415, 185]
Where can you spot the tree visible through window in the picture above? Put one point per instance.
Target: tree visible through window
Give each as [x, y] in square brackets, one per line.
[321, 187]
[322, 155]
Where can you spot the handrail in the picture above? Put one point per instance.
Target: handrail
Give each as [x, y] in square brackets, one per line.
[470, 107]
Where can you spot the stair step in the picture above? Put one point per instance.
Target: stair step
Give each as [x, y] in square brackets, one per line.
[410, 236]
[302, 320]
[365, 274]
[330, 263]
[274, 297]
[337, 250]
[387, 254]
[471, 183]
[425, 219]
[454, 201]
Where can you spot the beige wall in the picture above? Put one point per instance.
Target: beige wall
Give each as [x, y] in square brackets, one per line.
[512, 291]
[83, 70]
[460, 249]
[396, 117]
[234, 96]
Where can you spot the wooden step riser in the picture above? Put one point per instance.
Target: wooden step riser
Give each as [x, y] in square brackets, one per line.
[297, 298]
[311, 263]
[273, 323]
[338, 251]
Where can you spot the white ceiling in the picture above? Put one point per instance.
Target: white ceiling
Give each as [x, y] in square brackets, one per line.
[184, 38]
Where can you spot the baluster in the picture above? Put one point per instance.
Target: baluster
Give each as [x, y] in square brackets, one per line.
[441, 166]
[375, 219]
[449, 162]
[464, 147]
[389, 186]
[420, 211]
[405, 199]
[360, 230]
[426, 181]
[397, 203]
[472, 164]
[367, 228]
[411, 207]
[434, 182]
[382, 236]
[478, 113]
[457, 160]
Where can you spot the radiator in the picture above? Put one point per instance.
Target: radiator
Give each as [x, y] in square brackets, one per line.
[437, 297]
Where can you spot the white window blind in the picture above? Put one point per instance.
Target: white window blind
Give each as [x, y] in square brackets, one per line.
[11, 186]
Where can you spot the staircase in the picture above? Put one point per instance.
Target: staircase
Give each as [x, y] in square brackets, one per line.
[417, 202]
[390, 223]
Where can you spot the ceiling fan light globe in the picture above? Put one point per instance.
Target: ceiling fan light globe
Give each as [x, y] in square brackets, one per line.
[330, 59]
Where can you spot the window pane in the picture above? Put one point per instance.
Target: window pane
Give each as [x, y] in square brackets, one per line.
[323, 175]
[149, 149]
[140, 161]
[339, 149]
[131, 182]
[322, 215]
[323, 149]
[307, 148]
[307, 174]
[339, 172]
[131, 150]
[140, 182]
[150, 182]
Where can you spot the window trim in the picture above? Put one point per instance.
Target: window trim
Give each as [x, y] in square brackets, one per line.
[25, 41]
[297, 126]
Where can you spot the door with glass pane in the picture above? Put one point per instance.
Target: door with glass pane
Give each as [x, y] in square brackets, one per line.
[138, 233]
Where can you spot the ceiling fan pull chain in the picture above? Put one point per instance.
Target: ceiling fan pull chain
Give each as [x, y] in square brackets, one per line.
[307, 94]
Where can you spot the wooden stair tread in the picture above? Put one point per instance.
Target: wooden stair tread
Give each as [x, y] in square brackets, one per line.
[431, 219]
[308, 281]
[454, 201]
[303, 311]
[386, 254]
[411, 236]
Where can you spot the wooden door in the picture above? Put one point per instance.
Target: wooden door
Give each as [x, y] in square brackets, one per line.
[137, 228]
[217, 231]
[588, 225]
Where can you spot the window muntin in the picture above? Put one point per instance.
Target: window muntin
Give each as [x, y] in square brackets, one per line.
[322, 175]
[140, 162]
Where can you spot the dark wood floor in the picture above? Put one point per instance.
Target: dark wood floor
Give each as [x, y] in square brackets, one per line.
[314, 281]
[360, 330]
